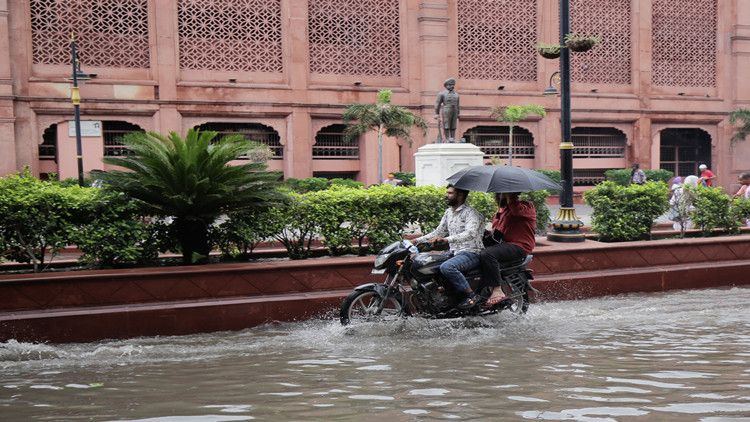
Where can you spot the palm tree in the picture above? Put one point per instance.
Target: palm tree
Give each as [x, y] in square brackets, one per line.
[513, 114]
[387, 119]
[741, 132]
[191, 180]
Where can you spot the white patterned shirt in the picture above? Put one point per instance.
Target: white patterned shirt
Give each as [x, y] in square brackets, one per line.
[462, 228]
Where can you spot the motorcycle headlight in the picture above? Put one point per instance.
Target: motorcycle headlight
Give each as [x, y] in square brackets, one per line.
[380, 260]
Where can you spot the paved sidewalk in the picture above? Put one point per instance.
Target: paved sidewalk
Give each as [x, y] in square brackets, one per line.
[583, 212]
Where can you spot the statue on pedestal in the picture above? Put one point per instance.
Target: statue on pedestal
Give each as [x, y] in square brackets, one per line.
[448, 99]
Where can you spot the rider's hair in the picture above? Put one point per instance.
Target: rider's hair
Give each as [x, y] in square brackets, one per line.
[458, 190]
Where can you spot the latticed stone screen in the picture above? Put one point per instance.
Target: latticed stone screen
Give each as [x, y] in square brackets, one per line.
[230, 35]
[355, 37]
[684, 43]
[108, 33]
[611, 62]
[496, 39]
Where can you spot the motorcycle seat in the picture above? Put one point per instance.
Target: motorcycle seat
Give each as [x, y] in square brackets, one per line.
[515, 263]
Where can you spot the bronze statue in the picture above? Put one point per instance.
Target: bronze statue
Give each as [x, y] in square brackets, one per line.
[449, 100]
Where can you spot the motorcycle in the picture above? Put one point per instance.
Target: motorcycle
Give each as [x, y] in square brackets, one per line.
[414, 286]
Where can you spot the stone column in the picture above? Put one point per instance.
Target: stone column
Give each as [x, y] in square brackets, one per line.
[438, 61]
[165, 68]
[7, 116]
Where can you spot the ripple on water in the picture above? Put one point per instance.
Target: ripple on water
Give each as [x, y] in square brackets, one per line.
[629, 357]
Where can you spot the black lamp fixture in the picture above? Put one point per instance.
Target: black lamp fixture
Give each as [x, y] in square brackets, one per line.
[75, 97]
[566, 226]
[551, 90]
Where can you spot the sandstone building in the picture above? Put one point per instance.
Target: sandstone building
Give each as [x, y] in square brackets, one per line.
[657, 91]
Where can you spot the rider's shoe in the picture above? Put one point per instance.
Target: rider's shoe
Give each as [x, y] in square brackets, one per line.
[470, 301]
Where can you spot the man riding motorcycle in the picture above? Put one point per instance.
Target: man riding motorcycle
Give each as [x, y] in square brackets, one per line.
[461, 228]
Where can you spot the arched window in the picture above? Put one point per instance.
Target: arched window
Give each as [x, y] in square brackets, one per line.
[684, 149]
[48, 147]
[252, 131]
[493, 141]
[113, 132]
[598, 142]
[592, 144]
[330, 144]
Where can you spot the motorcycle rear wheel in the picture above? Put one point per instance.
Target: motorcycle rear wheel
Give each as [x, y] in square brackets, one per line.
[519, 304]
[362, 306]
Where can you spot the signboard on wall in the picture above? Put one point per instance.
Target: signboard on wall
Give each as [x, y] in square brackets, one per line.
[88, 128]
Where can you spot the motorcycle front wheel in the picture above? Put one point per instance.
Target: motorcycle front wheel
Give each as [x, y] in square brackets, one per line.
[363, 306]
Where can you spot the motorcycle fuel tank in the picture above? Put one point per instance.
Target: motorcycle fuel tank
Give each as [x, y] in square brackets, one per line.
[427, 264]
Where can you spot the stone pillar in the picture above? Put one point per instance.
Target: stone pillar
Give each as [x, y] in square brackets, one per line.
[166, 68]
[7, 116]
[437, 64]
[298, 149]
[434, 163]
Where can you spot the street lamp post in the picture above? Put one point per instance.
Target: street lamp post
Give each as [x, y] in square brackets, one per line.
[566, 226]
[75, 96]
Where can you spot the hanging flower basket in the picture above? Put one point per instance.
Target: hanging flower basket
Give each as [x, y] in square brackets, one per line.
[581, 43]
[548, 51]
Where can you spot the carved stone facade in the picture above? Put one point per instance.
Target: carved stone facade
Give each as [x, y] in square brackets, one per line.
[662, 80]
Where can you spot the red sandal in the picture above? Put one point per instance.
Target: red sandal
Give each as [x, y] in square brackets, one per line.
[495, 300]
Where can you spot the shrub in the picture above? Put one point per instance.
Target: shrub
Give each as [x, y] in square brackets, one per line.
[712, 211]
[310, 184]
[38, 217]
[242, 232]
[293, 224]
[552, 174]
[626, 213]
[659, 175]
[539, 199]
[425, 206]
[741, 210]
[116, 235]
[622, 176]
[408, 178]
[349, 183]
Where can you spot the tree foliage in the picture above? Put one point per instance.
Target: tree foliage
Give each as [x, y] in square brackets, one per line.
[385, 118]
[513, 114]
[743, 116]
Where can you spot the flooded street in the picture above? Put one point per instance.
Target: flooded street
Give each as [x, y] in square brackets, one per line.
[674, 356]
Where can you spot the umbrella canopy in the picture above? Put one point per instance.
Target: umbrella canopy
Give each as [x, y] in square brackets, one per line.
[501, 179]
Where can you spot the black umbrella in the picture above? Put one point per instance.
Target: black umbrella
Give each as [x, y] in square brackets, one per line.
[501, 179]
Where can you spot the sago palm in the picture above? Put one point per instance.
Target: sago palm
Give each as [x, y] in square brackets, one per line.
[387, 119]
[192, 180]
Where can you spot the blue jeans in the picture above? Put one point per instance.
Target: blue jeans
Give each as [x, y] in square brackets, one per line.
[452, 268]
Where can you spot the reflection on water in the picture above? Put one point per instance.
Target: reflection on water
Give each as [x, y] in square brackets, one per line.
[668, 356]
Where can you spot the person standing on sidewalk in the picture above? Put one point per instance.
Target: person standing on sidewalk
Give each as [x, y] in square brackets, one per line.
[637, 176]
[461, 228]
[706, 175]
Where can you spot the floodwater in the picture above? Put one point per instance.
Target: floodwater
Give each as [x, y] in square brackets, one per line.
[675, 356]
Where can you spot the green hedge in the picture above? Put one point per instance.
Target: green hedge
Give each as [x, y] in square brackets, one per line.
[622, 176]
[626, 213]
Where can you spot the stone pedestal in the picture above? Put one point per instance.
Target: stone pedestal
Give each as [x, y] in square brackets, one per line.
[433, 163]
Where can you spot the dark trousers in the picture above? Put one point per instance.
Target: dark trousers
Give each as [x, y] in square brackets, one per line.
[491, 256]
